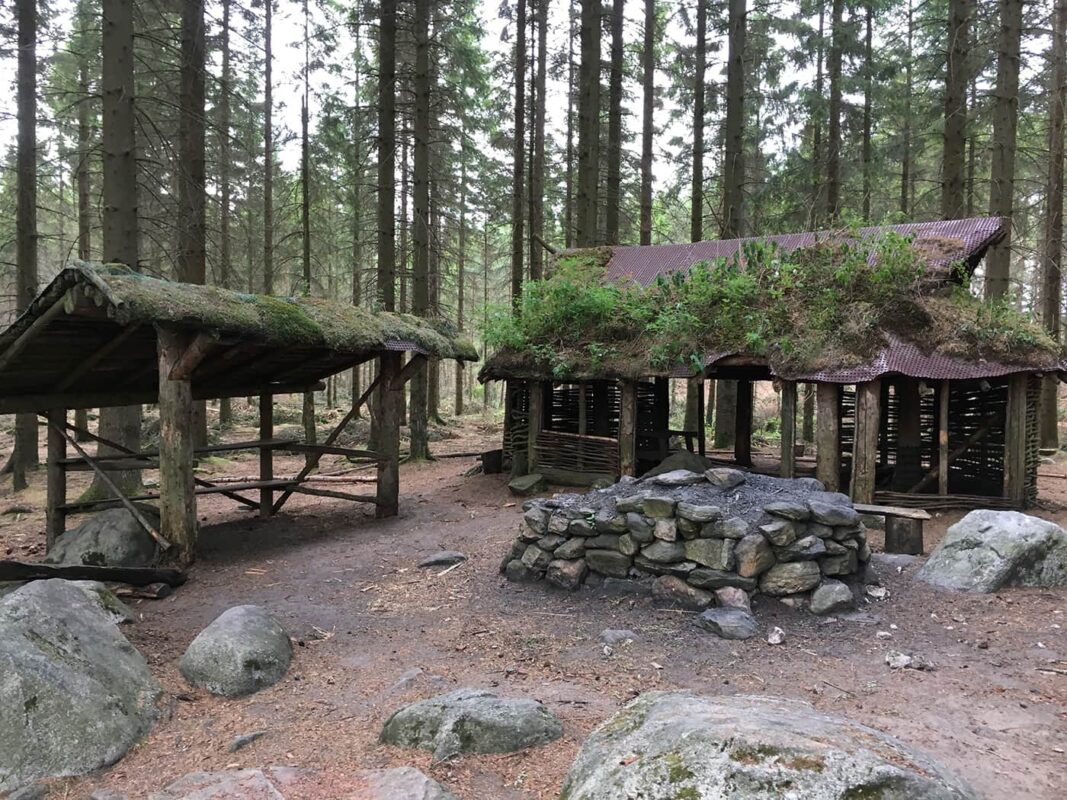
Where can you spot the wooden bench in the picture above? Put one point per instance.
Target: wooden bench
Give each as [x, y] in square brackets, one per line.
[903, 527]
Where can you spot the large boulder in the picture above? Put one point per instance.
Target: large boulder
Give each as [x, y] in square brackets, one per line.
[400, 783]
[273, 783]
[112, 538]
[989, 549]
[471, 721]
[242, 651]
[74, 693]
[668, 745]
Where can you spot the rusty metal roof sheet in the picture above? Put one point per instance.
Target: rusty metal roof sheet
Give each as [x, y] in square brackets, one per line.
[643, 263]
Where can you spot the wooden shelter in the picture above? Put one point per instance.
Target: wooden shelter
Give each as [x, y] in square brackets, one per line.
[103, 336]
[917, 424]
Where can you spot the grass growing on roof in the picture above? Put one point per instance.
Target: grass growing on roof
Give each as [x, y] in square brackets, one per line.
[830, 305]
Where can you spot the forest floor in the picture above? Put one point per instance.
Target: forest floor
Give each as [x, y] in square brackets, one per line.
[373, 632]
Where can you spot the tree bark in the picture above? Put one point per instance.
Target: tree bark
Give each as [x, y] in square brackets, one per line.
[569, 193]
[833, 143]
[537, 173]
[734, 166]
[817, 212]
[614, 166]
[587, 231]
[461, 262]
[225, 188]
[648, 89]
[868, 100]
[905, 160]
[268, 155]
[518, 166]
[955, 130]
[308, 409]
[696, 210]
[1005, 125]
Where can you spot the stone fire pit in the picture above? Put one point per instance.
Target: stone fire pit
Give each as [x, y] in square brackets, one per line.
[698, 540]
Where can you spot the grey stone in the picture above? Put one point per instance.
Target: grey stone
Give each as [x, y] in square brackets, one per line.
[705, 578]
[628, 545]
[603, 541]
[566, 574]
[242, 651]
[680, 568]
[754, 556]
[733, 528]
[844, 564]
[74, 693]
[665, 529]
[724, 477]
[790, 578]
[471, 721]
[111, 538]
[535, 558]
[35, 791]
[562, 524]
[617, 636]
[657, 507]
[536, 520]
[667, 745]
[833, 514]
[399, 783]
[572, 548]
[677, 477]
[844, 533]
[605, 521]
[517, 572]
[713, 553]
[526, 485]
[683, 460]
[674, 590]
[687, 529]
[733, 597]
[798, 512]
[232, 784]
[831, 596]
[625, 586]
[445, 558]
[245, 739]
[780, 532]
[639, 527]
[833, 498]
[551, 542]
[608, 562]
[728, 622]
[108, 602]
[820, 530]
[988, 550]
[664, 552]
[697, 513]
[630, 503]
[802, 549]
[809, 484]
[107, 794]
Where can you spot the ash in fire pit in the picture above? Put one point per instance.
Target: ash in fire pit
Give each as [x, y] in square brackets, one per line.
[699, 540]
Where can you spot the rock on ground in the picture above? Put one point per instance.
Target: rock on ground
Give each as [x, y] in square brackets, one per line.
[728, 622]
[401, 783]
[74, 693]
[445, 558]
[471, 721]
[242, 651]
[668, 745]
[831, 596]
[111, 538]
[234, 784]
[987, 550]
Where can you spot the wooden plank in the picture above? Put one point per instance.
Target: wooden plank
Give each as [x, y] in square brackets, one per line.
[942, 438]
[135, 576]
[388, 496]
[743, 424]
[329, 449]
[192, 356]
[123, 461]
[533, 427]
[828, 435]
[789, 429]
[1015, 441]
[628, 428]
[266, 454]
[99, 355]
[55, 515]
[177, 506]
[15, 349]
[892, 511]
[355, 498]
[415, 363]
[278, 483]
[865, 448]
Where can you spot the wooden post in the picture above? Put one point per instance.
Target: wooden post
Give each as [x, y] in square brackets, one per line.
[537, 412]
[56, 516]
[743, 424]
[865, 448]
[701, 424]
[942, 438]
[266, 454]
[1015, 441]
[391, 391]
[583, 423]
[628, 428]
[904, 535]
[789, 428]
[909, 434]
[177, 498]
[828, 435]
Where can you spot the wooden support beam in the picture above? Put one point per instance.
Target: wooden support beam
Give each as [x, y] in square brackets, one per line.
[415, 363]
[55, 515]
[192, 356]
[388, 495]
[979, 434]
[355, 498]
[702, 427]
[828, 435]
[1015, 441]
[909, 433]
[177, 501]
[99, 355]
[536, 418]
[15, 349]
[583, 422]
[628, 428]
[943, 395]
[865, 448]
[266, 454]
[789, 428]
[332, 450]
[743, 424]
[277, 483]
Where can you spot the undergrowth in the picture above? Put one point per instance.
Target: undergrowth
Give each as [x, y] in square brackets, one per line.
[828, 305]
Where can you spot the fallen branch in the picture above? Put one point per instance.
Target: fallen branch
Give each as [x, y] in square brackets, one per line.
[135, 576]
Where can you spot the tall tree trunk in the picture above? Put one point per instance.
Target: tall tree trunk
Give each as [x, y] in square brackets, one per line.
[586, 233]
[905, 165]
[648, 96]
[461, 261]
[225, 189]
[1005, 125]
[356, 149]
[308, 409]
[537, 173]
[1052, 254]
[85, 135]
[696, 202]
[614, 167]
[868, 99]
[518, 154]
[816, 213]
[268, 155]
[833, 143]
[568, 200]
[25, 457]
[420, 285]
[955, 131]
[120, 224]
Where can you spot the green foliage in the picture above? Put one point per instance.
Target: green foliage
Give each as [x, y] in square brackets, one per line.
[831, 304]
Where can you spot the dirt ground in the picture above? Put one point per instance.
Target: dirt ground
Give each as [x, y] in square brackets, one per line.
[372, 632]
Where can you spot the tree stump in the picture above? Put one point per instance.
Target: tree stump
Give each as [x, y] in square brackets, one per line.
[904, 535]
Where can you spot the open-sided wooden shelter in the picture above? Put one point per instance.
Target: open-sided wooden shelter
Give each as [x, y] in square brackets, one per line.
[919, 420]
[103, 336]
